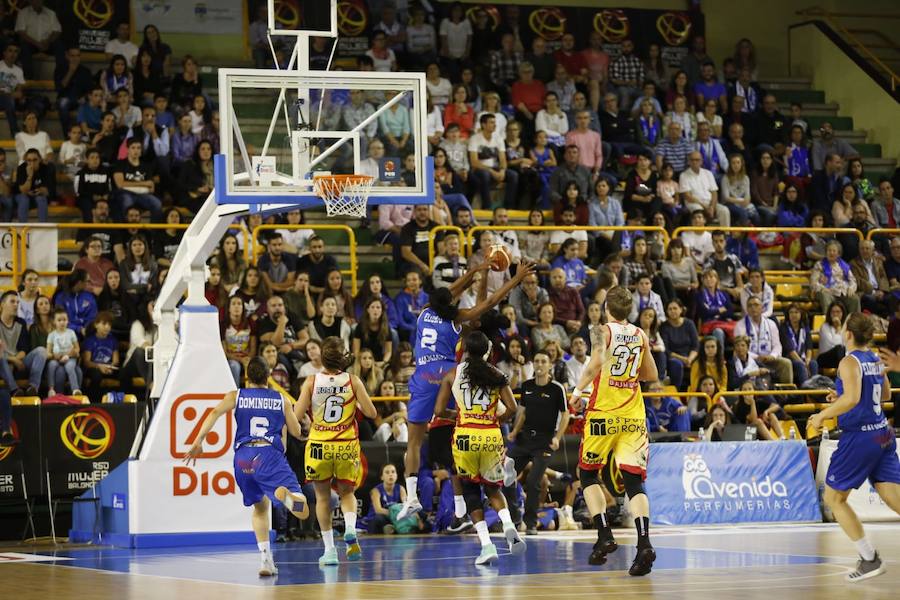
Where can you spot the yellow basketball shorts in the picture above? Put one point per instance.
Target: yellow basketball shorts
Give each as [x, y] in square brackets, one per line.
[478, 454]
[338, 460]
[625, 439]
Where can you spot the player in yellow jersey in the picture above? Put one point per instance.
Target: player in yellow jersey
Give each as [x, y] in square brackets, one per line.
[616, 425]
[482, 396]
[332, 452]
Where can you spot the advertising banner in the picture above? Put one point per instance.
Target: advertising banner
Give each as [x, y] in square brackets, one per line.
[82, 444]
[188, 16]
[864, 501]
[24, 457]
[91, 23]
[739, 482]
[671, 29]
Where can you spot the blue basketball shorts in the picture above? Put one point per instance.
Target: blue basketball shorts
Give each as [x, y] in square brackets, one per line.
[862, 455]
[423, 390]
[259, 470]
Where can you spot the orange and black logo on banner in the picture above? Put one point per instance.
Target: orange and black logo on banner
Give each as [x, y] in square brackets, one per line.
[93, 22]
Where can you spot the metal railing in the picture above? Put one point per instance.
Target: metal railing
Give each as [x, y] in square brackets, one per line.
[805, 408]
[14, 250]
[833, 230]
[431, 241]
[470, 236]
[882, 231]
[352, 271]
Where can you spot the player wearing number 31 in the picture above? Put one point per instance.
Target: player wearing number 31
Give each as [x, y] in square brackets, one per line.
[615, 423]
[260, 467]
[332, 452]
[437, 335]
[867, 448]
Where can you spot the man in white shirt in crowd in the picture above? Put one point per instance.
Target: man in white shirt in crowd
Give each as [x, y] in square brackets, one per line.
[38, 30]
[487, 156]
[12, 86]
[576, 363]
[509, 239]
[765, 343]
[557, 237]
[699, 191]
[449, 266]
[122, 44]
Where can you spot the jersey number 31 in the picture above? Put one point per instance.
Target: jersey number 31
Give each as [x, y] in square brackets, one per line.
[627, 360]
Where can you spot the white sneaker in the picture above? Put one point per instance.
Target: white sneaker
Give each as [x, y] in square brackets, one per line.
[487, 556]
[516, 543]
[509, 472]
[267, 566]
[410, 507]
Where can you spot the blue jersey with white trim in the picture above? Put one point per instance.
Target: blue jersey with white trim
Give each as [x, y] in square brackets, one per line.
[867, 415]
[436, 339]
[259, 413]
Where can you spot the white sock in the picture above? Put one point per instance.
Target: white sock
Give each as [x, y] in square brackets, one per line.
[328, 539]
[567, 510]
[264, 546]
[559, 475]
[350, 522]
[411, 485]
[481, 529]
[459, 507]
[402, 433]
[505, 518]
[865, 548]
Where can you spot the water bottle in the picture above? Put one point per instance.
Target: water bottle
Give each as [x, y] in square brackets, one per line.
[825, 434]
[793, 434]
[748, 434]
[702, 435]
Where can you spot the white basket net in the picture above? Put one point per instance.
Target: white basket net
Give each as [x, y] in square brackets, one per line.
[344, 195]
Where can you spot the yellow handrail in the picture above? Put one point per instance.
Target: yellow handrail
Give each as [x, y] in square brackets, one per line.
[645, 394]
[470, 236]
[679, 230]
[14, 257]
[315, 227]
[796, 392]
[431, 236]
[882, 231]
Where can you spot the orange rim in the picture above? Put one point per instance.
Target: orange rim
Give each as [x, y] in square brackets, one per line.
[335, 184]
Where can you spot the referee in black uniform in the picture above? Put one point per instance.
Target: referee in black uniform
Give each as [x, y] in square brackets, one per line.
[540, 423]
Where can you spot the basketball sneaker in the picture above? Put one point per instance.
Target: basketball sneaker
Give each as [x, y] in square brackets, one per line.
[294, 502]
[267, 566]
[601, 549]
[328, 558]
[866, 569]
[516, 543]
[487, 556]
[354, 552]
[410, 507]
[643, 562]
[459, 525]
[509, 472]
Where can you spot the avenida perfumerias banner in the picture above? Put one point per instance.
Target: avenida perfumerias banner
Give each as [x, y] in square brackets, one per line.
[724, 482]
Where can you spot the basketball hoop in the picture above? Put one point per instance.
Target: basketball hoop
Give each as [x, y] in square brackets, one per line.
[344, 195]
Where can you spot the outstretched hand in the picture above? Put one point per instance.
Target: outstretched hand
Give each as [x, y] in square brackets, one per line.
[525, 268]
[890, 359]
[190, 457]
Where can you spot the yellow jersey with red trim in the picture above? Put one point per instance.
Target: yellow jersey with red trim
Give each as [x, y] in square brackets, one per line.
[475, 406]
[333, 408]
[617, 390]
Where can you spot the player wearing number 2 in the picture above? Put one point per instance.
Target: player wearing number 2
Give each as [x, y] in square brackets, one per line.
[260, 467]
[616, 425]
[437, 335]
[867, 448]
[332, 452]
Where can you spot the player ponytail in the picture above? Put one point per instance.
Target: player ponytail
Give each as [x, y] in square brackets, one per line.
[479, 372]
[258, 371]
[861, 327]
[334, 354]
[441, 302]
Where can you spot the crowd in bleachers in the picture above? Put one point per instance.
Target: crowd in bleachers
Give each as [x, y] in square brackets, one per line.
[576, 136]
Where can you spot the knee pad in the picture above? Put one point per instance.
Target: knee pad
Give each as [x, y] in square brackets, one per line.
[634, 484]
[471, 495]
[588, 478]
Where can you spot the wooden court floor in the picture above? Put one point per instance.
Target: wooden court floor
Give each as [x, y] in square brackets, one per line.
[781, 561]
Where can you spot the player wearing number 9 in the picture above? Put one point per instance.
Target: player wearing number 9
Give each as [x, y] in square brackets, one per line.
[332, 452]
[260, 467]
[867, 448]
[437, 335]
[615, 425]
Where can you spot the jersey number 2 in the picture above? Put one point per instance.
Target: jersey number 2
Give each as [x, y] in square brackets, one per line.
[429, 338]
[627, 360]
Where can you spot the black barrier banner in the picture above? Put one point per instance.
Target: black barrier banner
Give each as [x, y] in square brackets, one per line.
[24, 457]
[91, 23]
[81, 444]
[671, 29]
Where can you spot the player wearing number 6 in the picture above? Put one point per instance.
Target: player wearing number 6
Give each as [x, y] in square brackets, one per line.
[437, 335]
[260, 467]
[332, 452]
[867, 448]
[616, 424]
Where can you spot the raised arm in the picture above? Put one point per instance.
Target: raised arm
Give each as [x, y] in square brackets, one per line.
[462, 284]
[226, 405]
[470, 314]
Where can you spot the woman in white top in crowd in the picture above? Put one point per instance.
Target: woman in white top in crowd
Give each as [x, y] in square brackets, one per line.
[516, 365]
[552, 120]
[383, 58]
[490, 105]
[681, 115]
[534, 244]
[295, 240]
[711, 116]
[438, 87]
[31, 137]
[831, 344]
[756, 287]
[735, 191]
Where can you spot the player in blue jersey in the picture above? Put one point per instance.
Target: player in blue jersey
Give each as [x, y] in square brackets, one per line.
[260, 467]
[437, 335]
[867, 448]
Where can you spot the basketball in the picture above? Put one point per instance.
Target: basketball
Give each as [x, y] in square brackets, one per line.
[498, 258]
